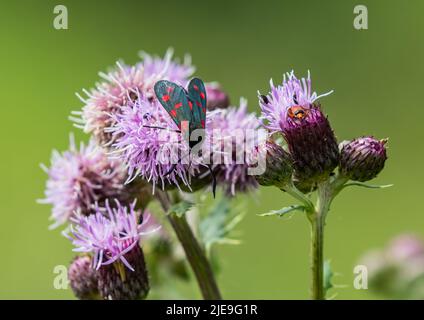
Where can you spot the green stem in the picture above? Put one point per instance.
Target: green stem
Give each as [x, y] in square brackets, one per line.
[317, 258]
[194, 252]
[316, 215]
[317, 219]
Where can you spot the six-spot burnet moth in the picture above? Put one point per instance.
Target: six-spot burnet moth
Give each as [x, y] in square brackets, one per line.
[187, 109]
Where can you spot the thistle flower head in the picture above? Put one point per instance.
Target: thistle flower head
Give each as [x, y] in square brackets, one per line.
[83, 278]
[292, 109]
[362, 159]
[313, 146]
[292, 92]
[148, 144]
[397, 270]
[232, 131]
[405, 247]
[108, 234]
[217, 98]
[81, 177]
[121, 85]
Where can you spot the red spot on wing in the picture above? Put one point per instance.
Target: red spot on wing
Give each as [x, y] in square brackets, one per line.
[165, 98]
[178, 105]
[169, 89]
[195, 87]
[190, 104]
[202, 122]
[202, 95]
[173, 113]
[198, 104]
[204, 110]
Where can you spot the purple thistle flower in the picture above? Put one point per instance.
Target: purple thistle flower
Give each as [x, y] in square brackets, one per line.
[151, 152]
[158, 68]
[108, 234]
[292, 109]
[292, 92]
[231, 124]
[121, 85]
[313, 146]
[405, 247]
[111, 238]
[396, 271]
[79, 178]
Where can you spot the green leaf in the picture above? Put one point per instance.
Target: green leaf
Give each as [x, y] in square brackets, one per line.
[218, 224]
[180, 208]
[361, 184]
[328, 276]
[283, 211]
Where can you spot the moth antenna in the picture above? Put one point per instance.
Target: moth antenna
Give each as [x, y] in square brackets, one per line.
[162, 128]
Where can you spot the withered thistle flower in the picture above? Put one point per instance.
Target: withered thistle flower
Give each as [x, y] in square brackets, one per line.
[291, 109]
[362, 159]
[83, 278]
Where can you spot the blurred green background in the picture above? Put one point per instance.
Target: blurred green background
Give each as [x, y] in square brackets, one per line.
[376, 75]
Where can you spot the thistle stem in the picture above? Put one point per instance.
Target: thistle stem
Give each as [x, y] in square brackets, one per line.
[317, 259]
[317, 220]
[194, 252]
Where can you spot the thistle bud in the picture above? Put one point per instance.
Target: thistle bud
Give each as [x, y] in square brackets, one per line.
[216, 98]
[279, 168]
[83, 279]
[363, 158]
[312, 144]
[117, 282]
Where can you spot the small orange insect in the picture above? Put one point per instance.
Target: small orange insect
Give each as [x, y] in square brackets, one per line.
[297, 112]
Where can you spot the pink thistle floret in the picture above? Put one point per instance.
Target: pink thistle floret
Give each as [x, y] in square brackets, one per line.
[109, 233]
[157, 68]
[292, 92]
[79, 178]
[121, 85]
[148, 144]
[233, 125]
